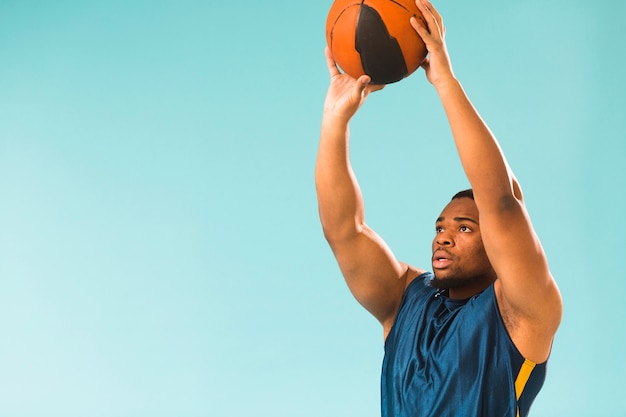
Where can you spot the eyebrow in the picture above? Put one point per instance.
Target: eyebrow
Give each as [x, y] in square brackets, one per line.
[458, 220]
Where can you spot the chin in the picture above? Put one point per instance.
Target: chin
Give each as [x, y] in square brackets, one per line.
[447, 282]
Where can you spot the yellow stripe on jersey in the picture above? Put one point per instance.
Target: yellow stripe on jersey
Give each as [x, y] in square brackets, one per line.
[522, 379]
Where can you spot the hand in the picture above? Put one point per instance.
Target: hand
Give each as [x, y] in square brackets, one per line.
[345, 94]
[437, 64]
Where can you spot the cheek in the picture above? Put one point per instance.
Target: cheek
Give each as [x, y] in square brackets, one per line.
[481, 253]
[478, 249]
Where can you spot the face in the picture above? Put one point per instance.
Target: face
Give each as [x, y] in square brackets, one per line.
[459, 259]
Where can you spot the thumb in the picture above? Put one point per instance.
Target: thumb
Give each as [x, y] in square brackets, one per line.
[361, 84]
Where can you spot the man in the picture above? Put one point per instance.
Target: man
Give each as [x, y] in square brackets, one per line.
[473, 338]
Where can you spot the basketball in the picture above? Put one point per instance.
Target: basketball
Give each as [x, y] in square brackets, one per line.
[374, 37]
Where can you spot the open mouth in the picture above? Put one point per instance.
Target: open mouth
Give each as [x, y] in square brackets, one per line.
[441, 259]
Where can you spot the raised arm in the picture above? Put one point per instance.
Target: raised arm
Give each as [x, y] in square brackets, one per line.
[527, 295]
[374, 276]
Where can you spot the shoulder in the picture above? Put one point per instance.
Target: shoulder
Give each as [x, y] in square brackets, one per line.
[416, 274]
[417, 282]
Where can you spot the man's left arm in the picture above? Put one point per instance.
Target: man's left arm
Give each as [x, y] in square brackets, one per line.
[527, 294]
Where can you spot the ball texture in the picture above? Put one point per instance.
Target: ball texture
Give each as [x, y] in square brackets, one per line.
[375, 37]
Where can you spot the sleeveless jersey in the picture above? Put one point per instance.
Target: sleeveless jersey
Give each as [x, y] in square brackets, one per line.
[451, 358]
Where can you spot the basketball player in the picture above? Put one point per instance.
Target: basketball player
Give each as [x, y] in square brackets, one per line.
[472, 338]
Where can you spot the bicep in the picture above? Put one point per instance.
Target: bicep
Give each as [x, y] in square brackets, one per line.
[519, 260]
[373, 274]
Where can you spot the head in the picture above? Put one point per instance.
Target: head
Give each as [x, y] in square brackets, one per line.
[459, 260]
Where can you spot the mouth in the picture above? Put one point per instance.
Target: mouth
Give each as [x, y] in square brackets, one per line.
[441, 259]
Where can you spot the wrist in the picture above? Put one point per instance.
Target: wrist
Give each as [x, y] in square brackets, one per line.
[333, 119]
[447, 83]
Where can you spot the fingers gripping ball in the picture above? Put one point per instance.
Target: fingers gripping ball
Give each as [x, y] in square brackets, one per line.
[374, 37]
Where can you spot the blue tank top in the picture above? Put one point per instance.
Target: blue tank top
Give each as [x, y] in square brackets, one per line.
[451, 358]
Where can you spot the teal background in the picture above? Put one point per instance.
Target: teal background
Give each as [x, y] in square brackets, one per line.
[160, 250]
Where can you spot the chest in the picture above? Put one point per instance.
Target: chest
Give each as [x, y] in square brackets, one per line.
[440, 333]
[441, 356]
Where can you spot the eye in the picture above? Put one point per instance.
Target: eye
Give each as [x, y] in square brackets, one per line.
[438, 229]
[465, 229]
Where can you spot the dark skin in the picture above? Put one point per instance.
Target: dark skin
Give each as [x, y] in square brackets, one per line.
[495, 241]
[459, 260]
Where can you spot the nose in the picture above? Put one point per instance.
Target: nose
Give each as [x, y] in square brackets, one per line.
[444, 239]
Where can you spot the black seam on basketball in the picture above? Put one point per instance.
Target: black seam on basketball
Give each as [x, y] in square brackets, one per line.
[415, 15]
[401, 5]
[381, 56]
[332, 30]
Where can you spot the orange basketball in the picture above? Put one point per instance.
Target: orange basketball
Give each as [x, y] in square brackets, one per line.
[374, 37]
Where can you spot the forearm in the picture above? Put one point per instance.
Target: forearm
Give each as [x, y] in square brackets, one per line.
[338, 193]
[482, 159]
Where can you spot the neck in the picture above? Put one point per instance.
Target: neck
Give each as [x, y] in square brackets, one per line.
[463, 292]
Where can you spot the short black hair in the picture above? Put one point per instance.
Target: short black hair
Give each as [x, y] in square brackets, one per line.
[469, 193]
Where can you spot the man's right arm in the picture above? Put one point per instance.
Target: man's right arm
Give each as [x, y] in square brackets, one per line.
[375, 277]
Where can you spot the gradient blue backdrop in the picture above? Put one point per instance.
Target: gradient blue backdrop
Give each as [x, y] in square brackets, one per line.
[160, 251]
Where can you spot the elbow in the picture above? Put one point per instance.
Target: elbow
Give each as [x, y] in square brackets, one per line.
[508, 203]
[341, 232]
[512, 197]
[504, 198]
[512, 200]
[503, 204]
[330, 233]
[339, 224]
